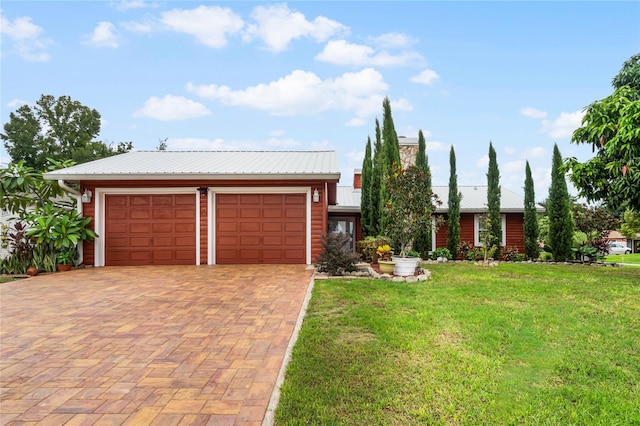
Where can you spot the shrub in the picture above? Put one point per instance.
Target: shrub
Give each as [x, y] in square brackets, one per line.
[20, 250]
[464, 248]
[476, 253]
[511, 254]
[336, 256]
[413, 253]
[369, 245]
[546, 256]
[441, 252]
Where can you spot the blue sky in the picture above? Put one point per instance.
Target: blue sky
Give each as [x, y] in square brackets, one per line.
[312, 75]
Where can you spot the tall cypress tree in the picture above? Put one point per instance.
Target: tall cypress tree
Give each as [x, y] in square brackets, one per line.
[376, 181]
[559, 211]
[365, 192]
[423, 239]
[389, 136]
[531, 249]
[493, 202]
[453, 221]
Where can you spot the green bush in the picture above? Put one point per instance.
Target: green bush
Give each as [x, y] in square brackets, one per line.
[546, 256]
[369, 245]
[441, 252]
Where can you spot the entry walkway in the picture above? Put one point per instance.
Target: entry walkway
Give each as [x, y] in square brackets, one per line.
[146, 345]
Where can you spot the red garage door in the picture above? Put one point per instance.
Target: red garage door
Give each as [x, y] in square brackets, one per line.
[150, 229]
[260, 228]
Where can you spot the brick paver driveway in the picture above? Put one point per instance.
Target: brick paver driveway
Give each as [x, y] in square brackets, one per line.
[146, 345]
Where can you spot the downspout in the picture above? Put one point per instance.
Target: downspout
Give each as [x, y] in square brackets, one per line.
[76, 194]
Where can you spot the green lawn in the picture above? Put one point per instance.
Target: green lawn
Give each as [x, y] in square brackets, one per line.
[515, 344]
[624, 258]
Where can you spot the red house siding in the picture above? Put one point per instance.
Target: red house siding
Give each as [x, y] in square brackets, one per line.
[319, 211]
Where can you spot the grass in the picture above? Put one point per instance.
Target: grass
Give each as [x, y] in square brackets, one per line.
[523, 344]
[624, 258]
[6, 279]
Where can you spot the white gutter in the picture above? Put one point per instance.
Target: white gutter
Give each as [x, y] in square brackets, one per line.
[76, 194]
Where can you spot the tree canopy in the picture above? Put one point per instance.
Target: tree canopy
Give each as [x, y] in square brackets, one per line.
[59, 129]
[612, 127]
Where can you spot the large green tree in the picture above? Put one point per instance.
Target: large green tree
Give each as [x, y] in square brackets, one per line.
[423, 239]
[60, 129]
[365, 192]
[453, 219]
[612, 127]
[531, 248]
[377, 181]
[630, 227]
[493, 202]
[559, 211]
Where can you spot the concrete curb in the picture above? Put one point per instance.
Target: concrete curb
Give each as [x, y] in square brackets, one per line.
[275, 394]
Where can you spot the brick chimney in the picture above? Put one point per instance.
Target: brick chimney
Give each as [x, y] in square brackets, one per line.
[357, 178]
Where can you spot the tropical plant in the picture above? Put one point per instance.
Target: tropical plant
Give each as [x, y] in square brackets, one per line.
[59, 228]
[20, 250]
[384, 252]
[66, 256]
[441, 252]
[369, 245]
[409, 208]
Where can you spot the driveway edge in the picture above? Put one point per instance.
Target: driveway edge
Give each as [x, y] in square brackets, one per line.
[275, 395]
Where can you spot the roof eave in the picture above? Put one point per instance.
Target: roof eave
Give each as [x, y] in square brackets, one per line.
[344, 209]
[190, 176]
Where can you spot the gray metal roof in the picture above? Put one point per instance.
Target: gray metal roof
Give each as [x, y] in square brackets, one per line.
[347, 200]
[474, 199]
[182, 165]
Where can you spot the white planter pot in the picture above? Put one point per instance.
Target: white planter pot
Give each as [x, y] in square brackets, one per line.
[405, 265]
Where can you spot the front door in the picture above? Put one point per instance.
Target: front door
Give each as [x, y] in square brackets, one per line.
[346, 225]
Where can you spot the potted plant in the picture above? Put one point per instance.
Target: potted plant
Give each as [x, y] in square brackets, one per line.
[384, 253]
[409, 209]
[62, 228]
[65, 259]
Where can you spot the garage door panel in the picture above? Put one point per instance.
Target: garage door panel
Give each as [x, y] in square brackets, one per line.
[273, 227]
[140, 200]
[144, 229]
[262, 221]
[139, 228]
[293, 240]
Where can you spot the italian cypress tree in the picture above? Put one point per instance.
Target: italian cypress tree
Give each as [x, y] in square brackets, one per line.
[376, 181]
[559, 211]
[423, 239]
[453, 221]
[389, 136]
[365, 192]
[531, 249]
[493, 202]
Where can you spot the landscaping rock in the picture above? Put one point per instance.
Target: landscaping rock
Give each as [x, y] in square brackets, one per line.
[385, 277]
[398, 279]
[412, 280]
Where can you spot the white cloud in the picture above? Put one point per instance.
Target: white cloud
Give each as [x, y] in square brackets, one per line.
[103, 36]
[210, 25]
[564, 125]
[304, 93]
[138, 26]
[341, 52]
[533, 113]
[392, 40]
[356, 122]
[132, 4]
[427, 77]
[15, 103]
[514, 168]
[171, 108]
[277, 26]
[218, 144]
[433, 146]
[509, 150]
[26, 37]
[535, 152]
[483, 162]
[355, 157]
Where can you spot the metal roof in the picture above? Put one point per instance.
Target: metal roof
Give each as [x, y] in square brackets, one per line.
[182, 165]
[347, 200]
[474, 199]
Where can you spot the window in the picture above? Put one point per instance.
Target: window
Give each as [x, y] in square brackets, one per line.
[478, 227]
[346, 225]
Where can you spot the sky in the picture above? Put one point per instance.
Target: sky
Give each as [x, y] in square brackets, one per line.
[312, 75]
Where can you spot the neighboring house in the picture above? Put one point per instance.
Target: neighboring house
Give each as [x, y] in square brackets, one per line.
[633, 243]
[210, 207]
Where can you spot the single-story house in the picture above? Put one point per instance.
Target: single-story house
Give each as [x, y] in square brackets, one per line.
[473, 205]
[213, 207]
